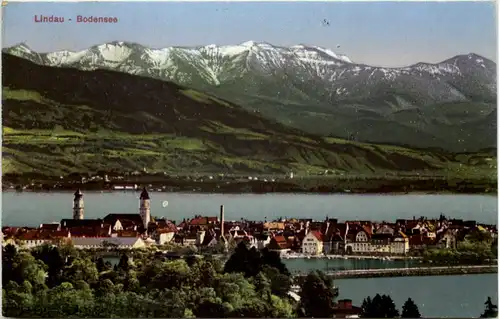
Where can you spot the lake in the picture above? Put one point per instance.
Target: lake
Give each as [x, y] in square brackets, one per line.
[31, 209]
[437, 296]
[324, 264]
[460, 296]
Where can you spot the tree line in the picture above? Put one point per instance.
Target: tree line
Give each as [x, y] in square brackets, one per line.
[60, 281]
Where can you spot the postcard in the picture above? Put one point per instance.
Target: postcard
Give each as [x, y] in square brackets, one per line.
[249, 159]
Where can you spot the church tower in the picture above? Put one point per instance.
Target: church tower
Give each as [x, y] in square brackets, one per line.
[145, 207]
[78, 205]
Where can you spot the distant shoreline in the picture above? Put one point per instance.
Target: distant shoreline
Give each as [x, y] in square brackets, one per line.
[262, 184]
[109, 191]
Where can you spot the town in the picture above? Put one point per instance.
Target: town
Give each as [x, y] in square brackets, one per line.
[292, 237]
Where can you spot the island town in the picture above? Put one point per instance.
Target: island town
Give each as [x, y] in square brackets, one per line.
[291, 237]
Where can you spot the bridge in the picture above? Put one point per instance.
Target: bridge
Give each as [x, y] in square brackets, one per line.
[401, 272]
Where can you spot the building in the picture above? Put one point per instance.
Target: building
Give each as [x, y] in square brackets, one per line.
[145, 208]
[36, 237]
[313, 243]
[400, 244]
[78, 206]
[358, 240]
[345, 309]
[278, 244]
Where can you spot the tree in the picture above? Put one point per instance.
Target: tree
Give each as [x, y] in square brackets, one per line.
[479, 236]
[317, 296]
[124, 263]
[51, 257]
[410, 310]
[381, 306]
[153, 287]
[9, 252]
[491, 310]
[101, 265]
[81, 269]
[251, 261]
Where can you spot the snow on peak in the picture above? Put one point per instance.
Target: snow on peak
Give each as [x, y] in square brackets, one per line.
[115, 52]
[22, 47]
[334, 55]
[249, 44]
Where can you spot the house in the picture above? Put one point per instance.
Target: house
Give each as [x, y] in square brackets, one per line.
[385, 229]
[358, 239]
[447, 239]
[345, 309]
[31, 239]
[125, 222]
[163, 236]
[421, 241]
[203, 221]
[77, 223]
[34, 238]
[274, 226]
[338, 239]
[380, 243]
[104, 231]
[51, 227]
[328, 229]
[278, 244]
[262, 240]
[400, 243]
[210, 239]
[190, 239]
[313, 243]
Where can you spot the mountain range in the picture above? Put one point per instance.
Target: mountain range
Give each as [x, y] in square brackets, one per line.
[449, 105]
[62, 120]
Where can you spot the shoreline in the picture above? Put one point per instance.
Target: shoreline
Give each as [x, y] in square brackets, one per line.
[394, 193]
[346, 257]
[408, 272]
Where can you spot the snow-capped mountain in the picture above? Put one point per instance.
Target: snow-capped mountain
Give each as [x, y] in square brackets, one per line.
[311, 87]
[293, 68]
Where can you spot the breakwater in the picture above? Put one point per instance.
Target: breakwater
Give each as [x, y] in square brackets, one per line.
[406, 272]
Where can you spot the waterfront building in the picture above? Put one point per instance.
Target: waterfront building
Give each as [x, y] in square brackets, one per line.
[313, 243]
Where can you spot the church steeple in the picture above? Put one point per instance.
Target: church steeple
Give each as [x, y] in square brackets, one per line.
[145, 207]
[78, 205]
[144, 194]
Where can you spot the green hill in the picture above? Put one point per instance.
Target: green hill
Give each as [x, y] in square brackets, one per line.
[62, 120]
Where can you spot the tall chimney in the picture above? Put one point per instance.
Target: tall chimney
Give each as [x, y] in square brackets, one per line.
[221, 221]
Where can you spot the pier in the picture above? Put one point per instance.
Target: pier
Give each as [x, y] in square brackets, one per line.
[406, 272]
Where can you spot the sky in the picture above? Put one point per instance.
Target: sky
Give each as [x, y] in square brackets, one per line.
[377, 33]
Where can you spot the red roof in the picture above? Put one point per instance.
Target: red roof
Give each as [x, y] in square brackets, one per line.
[203, 220]
[89, 232]
[317, 234]
[43, 235]
[50, 226]
[280, 241]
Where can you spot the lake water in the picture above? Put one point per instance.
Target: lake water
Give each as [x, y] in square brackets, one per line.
[301, 264]
[437, 296]
[34, 208]
[460, 296]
